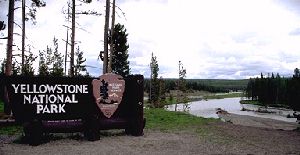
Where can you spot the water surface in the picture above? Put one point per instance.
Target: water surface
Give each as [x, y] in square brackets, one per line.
[208, 108]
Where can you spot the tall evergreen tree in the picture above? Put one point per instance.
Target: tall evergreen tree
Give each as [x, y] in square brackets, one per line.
[120, 63]
[51, 61]
[57, 59]
[293, 90]
[43, 67]
[80, 66]
[49, 58]
[276, 90]
[16, 70]
[181, 96]
[27, 68]
[154, 85]
[162, 92]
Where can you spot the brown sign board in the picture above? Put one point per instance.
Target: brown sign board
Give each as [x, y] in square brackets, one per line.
[108, 92]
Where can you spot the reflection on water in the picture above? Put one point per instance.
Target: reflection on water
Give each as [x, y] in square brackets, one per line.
[208, 108]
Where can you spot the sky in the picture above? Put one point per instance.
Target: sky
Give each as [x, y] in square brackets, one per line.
[214, 39]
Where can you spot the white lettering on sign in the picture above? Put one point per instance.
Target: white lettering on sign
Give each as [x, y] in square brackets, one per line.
[50, 108]
[49, 98]
[45, 99]
[42, 89]
[115, 87]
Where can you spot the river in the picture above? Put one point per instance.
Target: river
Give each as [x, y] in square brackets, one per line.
[207, 109]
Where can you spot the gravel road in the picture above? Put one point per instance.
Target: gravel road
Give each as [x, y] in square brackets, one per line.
[215, 138]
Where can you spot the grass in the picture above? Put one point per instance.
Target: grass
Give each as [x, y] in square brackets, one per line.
[1, 106]
[8, 130]
[157, 119]
[2, 114]
[255, 102]
[177, 122]
[222, 96]
[163, 120]
[11, 130]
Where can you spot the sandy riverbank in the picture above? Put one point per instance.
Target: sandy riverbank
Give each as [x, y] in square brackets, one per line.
[258, 122]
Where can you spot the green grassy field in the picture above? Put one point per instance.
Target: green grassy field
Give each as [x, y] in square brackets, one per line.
[161, 119]
[157, 119]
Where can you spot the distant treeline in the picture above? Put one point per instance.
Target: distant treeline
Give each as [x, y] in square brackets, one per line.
[274, 90]
[210, 85]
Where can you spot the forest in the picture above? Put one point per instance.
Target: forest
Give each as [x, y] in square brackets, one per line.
[275, 90]
[210, 85]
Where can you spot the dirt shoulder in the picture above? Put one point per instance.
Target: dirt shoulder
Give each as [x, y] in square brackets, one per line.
[214, 138]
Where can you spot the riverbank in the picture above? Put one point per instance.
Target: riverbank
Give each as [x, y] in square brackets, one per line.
[258, 122]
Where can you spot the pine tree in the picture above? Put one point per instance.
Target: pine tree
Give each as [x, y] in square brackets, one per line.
[162, 92]
[154, 93]
[43, 67]
[16, 70]
[80, 66]
[27, 68]
[51, 62]
[57, 59]
[120, 63]
[181, 96]
[49, 58]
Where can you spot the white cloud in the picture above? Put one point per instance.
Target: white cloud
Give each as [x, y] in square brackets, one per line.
[212, 38]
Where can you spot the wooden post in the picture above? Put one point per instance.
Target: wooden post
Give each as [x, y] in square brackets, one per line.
[8, 66]
[23, 35]
[112, 33]
[72, 40]
[106, 25]
[67, 40]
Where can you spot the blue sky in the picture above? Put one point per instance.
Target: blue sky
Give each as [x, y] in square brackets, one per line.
[227, 39]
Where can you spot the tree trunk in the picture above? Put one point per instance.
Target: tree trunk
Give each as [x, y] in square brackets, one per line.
[67, 40]
[105, 60]
[72, 40]
[23, 35]
[112, 33]
[8, 66]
